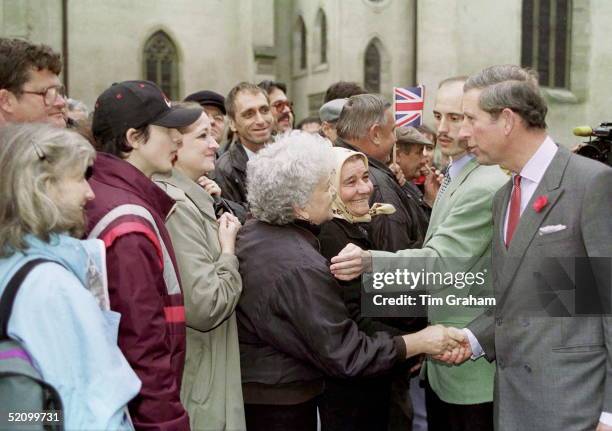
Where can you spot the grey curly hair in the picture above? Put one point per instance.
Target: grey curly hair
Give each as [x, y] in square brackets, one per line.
[284, 174]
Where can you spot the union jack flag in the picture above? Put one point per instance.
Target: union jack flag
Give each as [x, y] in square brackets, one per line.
[409, 105]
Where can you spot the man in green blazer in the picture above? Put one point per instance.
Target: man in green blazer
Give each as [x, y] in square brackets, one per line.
[458, 398]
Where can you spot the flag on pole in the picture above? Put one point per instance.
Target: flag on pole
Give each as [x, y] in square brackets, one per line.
[408, 105]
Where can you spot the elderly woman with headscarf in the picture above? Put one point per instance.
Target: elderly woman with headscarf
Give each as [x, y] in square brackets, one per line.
[292, 323]
[364, 401]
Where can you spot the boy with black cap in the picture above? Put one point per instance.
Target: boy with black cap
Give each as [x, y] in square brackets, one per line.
[134, 126]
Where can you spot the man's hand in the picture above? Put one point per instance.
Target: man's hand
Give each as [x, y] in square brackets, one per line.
[433, 180]
[457, 355]
[399, 175]
[603, 427]
[210, 186]
[433, 340]
[350, 263]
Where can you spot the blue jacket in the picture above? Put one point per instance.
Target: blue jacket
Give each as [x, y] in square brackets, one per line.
[72, 341]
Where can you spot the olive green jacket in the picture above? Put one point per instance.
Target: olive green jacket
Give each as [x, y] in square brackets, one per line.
[211, 389]
[458, 240]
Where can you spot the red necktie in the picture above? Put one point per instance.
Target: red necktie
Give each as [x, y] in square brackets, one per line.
[515, 209]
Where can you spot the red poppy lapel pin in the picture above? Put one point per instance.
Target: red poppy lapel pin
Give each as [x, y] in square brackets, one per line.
[540, 203]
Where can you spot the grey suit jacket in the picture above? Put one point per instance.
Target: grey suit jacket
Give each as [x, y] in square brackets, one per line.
[553, 373]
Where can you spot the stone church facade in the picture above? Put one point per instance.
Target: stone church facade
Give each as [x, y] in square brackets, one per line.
[188, 45]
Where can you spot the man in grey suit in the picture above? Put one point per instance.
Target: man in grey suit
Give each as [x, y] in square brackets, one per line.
[553, 373]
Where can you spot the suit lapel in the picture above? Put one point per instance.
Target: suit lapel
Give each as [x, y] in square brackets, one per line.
[530, 222]
[441, 207]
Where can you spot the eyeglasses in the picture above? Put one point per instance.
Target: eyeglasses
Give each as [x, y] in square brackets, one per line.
[280, 105]
[49, 94]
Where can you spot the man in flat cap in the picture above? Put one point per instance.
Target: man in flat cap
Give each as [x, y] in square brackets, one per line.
[214, 106]
[329, 114]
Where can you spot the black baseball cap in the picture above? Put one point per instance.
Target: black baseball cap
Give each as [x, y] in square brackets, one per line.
[135, 104]
[208, 98]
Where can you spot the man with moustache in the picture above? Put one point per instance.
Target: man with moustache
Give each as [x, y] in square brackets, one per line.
[282, 108]
[251, 121]
[30, 88]
[458, 398]
[553, 373]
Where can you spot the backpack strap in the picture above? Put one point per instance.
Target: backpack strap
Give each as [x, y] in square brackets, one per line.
[10, 293]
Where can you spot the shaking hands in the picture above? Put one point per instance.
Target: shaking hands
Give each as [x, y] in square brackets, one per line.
[446, 344]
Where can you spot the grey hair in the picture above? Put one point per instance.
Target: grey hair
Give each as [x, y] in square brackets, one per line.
[359, 114]
[513, 87]
[283, 175]
[33, 158]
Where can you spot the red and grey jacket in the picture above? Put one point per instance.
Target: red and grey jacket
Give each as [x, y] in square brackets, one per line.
[128, 214]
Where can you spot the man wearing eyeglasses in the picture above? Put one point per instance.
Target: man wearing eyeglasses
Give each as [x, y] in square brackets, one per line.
[30, 88]
[282, 108]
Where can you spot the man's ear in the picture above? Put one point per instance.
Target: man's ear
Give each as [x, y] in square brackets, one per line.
[132, 138]
[509, 118]
[232, 124]
[7, 100]
[374, 133]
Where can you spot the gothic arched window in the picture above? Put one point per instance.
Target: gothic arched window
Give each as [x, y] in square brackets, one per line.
[299, 45]
[321, 36]
[161, 63]
[372, 67]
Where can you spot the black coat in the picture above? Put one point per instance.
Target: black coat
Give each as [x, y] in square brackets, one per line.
[293, 326]
[230, 173]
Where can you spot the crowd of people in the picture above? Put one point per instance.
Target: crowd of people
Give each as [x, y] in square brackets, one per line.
[198, 264]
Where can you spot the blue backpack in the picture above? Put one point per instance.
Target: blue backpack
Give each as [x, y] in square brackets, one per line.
[26, 401]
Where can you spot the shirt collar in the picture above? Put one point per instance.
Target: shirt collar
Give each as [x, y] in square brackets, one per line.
[250, 154]
[536, 166]
[457, 166]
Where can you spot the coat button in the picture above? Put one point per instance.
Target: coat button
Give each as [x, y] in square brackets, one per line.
[498, 321]
[527, 368]
[525, 322]
[500, 363]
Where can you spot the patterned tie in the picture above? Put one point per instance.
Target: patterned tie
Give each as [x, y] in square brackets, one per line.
[515, 209]
[444, 185]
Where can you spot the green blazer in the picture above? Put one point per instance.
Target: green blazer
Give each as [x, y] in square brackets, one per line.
[460, 227]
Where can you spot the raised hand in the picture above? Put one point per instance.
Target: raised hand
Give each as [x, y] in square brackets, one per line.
[350, 263]
[399, 175]
[228, 229]
[210, 186]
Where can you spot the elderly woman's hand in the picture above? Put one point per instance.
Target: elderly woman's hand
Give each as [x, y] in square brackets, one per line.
[350, 263]
[210, 186]
[229, 226]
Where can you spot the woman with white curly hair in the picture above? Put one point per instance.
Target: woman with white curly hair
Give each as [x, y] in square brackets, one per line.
[293, 326]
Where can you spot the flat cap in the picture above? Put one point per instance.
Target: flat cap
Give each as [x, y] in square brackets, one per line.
[330, 111]
[208, 98]
[410, 135]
